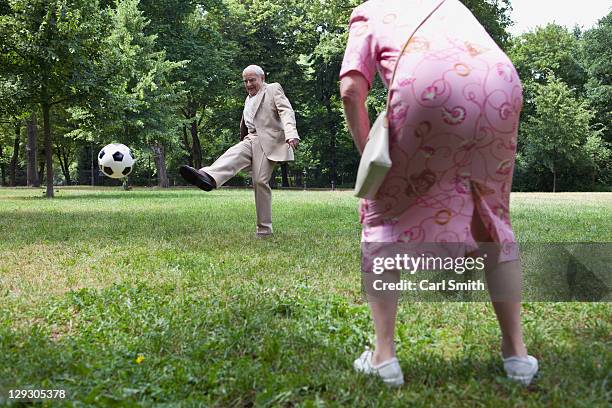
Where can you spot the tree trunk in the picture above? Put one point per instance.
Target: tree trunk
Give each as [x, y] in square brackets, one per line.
[196, 148]
[66, 154]
[186, 145]
[159, 156]
[333, 172]
[94, 168]
[15, 157]
[62, 157]
[2, 168]
[285, 174]
[32, 153]
[48, 151]
[41, 166]
[554, 181]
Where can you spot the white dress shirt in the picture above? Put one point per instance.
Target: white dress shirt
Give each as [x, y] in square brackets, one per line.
[249, 112]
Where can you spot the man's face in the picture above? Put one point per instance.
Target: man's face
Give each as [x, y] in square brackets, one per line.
[252, 82]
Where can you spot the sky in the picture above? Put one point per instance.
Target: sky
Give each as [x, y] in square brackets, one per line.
[528, 14]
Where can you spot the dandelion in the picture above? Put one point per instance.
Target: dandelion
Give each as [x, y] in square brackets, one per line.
[139, 359]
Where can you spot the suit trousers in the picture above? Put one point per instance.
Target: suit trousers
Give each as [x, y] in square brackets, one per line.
[248, 155]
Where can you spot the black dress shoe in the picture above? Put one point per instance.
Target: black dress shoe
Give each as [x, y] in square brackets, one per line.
[197, 178]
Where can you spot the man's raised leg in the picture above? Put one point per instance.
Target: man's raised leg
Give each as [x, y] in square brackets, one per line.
[236, 158]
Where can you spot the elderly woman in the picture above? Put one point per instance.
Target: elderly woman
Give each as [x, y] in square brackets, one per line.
[453, 121]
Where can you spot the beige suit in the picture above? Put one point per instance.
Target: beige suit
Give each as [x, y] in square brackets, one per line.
[274, 124]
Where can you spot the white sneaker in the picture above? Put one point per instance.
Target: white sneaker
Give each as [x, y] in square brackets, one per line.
[521, 369]
[390, 370]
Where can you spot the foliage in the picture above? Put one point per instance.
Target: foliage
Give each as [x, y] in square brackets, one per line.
[51, 51]
[166, 74]
[550, 49]
[559, 136]
[598, 63]
[494, 15]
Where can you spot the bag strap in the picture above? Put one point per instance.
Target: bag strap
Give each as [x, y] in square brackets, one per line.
[404, 50]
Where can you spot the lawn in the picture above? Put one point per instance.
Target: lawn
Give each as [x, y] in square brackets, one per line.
[165, 298]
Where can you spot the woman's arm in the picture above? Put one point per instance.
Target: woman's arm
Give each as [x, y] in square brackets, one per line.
[354, 91]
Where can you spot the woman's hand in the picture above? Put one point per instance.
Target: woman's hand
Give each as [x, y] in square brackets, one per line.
[354, 91]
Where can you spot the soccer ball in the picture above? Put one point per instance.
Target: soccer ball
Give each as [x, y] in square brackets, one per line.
[116, 160]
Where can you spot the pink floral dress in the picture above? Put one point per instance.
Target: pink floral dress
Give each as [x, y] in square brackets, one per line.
[453, 120]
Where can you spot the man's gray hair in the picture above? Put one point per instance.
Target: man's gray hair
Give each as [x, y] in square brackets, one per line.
[256, 69]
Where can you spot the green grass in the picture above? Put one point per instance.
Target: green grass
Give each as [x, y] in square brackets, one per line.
[94, 279]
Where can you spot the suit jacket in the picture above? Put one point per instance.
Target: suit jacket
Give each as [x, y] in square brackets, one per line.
[274, 121]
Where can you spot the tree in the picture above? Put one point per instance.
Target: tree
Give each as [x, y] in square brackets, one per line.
[494, 16]
[139, 104]
[552, 49]
[153, 96]
[598, 64]
[16, 146]
[6, 150]
[11, 117]
[2, 167]
[189, 31]
[559, 135]
[51, 49]
[32, 152]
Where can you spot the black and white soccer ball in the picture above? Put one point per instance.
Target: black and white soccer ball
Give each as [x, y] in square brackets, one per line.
[116, 160]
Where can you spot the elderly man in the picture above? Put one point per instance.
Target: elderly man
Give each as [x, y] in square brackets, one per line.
[268, 135]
